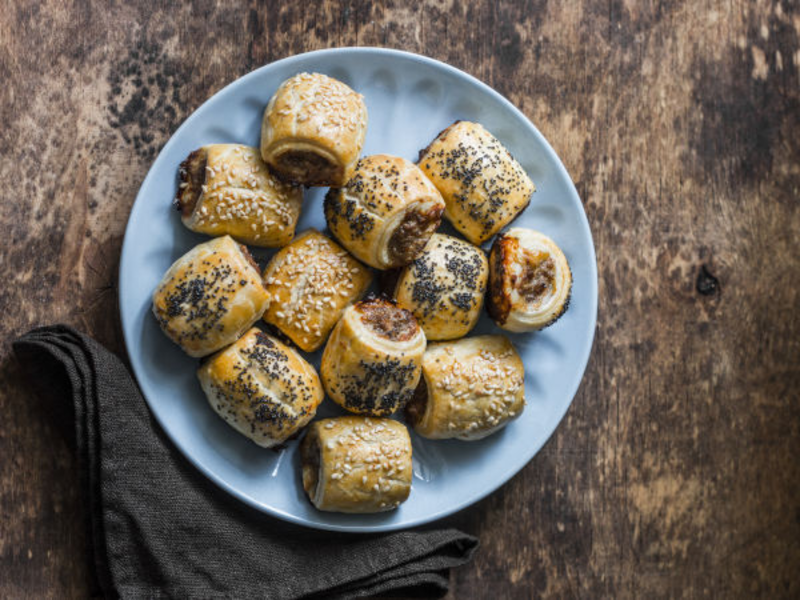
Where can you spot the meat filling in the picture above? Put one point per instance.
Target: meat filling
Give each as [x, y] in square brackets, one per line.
[309, 457]
[538, 275]
[307, 168]
[248, 257]
[409, 238]
[387, 320]
[415, 409]
[191, 176]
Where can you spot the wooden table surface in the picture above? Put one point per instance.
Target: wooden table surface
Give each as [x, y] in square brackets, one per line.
[676, 472]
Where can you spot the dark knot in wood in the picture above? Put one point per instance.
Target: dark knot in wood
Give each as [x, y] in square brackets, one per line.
[707, 284]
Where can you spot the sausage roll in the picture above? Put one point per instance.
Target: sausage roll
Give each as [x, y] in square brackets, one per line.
[356, 464]
[263, 389]
[226, 189]
[386, 213]
[444, 287]
[470, 389]
[530, 281]
[313, 130]
[483, 186]
[210, 296]
[310, 282]
[371, 364]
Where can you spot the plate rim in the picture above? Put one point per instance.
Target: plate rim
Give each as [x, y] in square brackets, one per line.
[584, 354]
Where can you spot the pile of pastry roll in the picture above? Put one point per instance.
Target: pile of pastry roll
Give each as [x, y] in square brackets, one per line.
[383, 212]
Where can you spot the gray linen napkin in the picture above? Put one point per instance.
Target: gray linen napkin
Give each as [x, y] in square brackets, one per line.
[159, 528]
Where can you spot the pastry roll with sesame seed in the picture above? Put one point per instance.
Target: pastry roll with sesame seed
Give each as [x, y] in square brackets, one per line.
[210, 296]
[356, 464]
[263, 389]
[530, 281]
[444, 287]
[313, 130]
[226, 189]
[310, 282]
[470, 389]
[483, 186]
[371, 364]
[386, 213]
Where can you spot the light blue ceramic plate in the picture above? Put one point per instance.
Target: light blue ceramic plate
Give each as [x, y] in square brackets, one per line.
[410, 100]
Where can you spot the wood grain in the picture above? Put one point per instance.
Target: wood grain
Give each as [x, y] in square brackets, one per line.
[675, 472]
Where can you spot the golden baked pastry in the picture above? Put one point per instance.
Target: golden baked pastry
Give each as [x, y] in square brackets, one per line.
[226, 189]
[310, 282]
[386, 213]
[263, 389]
[471, 388]
[483, 186]
[356, 464]
[444, 287]
[313, 130]
[210, 296]
[530, 281]
[371, 364]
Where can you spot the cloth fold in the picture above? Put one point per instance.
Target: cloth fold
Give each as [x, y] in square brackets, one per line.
[158, 528]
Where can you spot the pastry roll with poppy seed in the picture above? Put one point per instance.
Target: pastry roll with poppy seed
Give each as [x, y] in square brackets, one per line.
[310, 282]
[471, 388]
[371, 364]
[444, 287]
[530, 281]
[313, 130]
[263, 389]
[483, 186]
[356, 464]
[386, 213]
[210, 296]
[226, 189]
